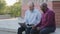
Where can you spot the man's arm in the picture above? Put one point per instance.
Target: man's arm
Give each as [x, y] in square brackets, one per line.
[38, 19]
[25, 17]
[39, 16]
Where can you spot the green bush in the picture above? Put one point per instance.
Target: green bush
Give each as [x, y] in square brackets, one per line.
[14, 10]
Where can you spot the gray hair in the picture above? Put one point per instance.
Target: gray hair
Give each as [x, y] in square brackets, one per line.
[31, 3]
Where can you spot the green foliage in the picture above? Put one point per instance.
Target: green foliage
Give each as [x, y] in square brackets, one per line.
[14, 10]
[2, 6]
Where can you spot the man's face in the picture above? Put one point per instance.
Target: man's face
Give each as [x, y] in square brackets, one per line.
[43, 8]
[31, 7]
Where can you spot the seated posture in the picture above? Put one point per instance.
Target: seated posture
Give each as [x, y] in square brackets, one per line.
[47, 24]
[31, 19]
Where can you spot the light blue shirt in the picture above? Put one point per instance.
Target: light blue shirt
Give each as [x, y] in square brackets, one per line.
[32, 17]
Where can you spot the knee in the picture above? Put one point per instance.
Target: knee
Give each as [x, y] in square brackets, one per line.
[32, 31]
[19, 29]
[43, 32]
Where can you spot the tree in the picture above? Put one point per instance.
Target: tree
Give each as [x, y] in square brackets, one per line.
[15, 9]
[2, 6]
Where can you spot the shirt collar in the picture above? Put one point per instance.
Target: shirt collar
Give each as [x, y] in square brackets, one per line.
[31, 11]
[46, 10]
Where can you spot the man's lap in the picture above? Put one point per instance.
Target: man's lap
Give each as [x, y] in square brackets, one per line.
[34, 31]
[46, 30]
[27, 31]
[21, 29]
[31, 31]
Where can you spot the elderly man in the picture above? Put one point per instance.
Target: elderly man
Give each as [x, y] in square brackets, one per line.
[31, 19]
[47, 24]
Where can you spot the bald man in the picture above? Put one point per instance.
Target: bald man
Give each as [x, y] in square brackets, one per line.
[31, 19]
[47, 24]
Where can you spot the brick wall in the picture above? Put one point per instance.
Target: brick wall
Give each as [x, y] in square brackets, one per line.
[56, 8]
[25, 7]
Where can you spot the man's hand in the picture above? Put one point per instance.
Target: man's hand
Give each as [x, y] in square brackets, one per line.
[33, 27]
[38, 28]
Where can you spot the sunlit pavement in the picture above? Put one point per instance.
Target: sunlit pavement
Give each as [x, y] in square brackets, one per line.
[10, 26]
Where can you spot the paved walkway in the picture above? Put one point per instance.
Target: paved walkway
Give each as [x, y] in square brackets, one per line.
[10, 26]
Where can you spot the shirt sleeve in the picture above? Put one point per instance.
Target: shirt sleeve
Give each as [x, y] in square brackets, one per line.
[25, 17]
[38, 18]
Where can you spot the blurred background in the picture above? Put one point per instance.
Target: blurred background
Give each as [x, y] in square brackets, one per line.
[11, 12]
[52, 4]
[10, 8]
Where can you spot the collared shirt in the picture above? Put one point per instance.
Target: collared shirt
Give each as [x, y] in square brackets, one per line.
[32, 17]
[48, 19]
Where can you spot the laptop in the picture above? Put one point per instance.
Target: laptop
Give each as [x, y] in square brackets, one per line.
[22, 24]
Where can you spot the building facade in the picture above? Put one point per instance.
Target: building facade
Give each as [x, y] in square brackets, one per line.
[56, 8]
[52, 4]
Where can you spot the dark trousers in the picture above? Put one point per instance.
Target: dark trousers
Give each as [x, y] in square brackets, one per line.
[34, 31]
[31, 31]
[20, 30]
[47, 30]
[27, 30]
